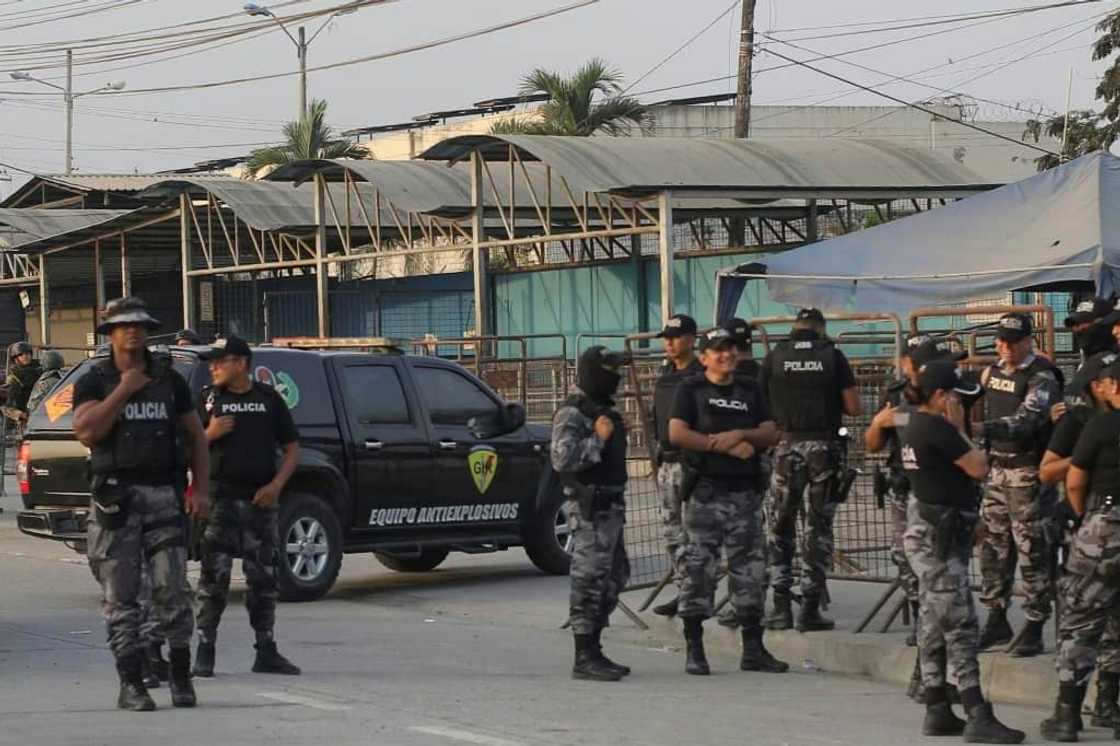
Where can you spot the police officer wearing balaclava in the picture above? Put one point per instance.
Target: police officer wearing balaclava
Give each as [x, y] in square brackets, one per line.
[589, 453]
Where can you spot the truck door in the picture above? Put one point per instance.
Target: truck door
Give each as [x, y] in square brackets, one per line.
[392, 453]
[483, 480]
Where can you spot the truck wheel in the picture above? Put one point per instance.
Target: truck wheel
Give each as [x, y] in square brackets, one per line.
[309, 552]
[548, 541]
[428, 559]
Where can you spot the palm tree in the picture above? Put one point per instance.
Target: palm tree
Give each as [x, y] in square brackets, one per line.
[305, 139]
[571, 108]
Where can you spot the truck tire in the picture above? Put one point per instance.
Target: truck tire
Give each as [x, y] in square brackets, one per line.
[428, 559]
[548, 540]
[309, 550]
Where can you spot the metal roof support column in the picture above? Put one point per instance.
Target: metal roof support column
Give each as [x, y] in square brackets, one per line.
[478, 254]
[126, 279]
[321, 300]
[665, 252]
[98, 276]
[811, 221]
[187, 262]
[44, 303]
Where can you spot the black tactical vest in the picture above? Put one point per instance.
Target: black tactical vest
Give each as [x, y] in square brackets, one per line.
[720, 411]
[1005, 393]
[665, 390]
[803, 396]
[611, 469]
[894, 435]
[144, 438]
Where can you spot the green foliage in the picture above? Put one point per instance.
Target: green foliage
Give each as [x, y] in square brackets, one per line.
[306, 139]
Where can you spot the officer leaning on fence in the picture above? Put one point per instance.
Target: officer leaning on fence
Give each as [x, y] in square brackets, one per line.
[130, 410]
[722, 423]
[941, 464]
[1089, 591]
[679, 337]
[246, 422]
[1019, 391]
[589, 454]
[23, 371]
[1085, 397]
[885, 431]
[809, 385]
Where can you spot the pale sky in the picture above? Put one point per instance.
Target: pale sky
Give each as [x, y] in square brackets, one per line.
[156, 131]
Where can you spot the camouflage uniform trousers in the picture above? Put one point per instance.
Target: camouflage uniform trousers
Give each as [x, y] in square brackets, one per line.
[669, 476]
[948, 631]
[900, 500]
[719, 517]
[600, 568]
[1012, 518]
[152, 535]
[238, 528]
[816, 556]
[1090, 597]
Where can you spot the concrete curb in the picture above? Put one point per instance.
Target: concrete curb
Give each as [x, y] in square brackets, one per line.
[1026, 681]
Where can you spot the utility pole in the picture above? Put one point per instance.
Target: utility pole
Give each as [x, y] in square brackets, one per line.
[746, 55]
[301, 45]
[69, 95]
[1065, 127]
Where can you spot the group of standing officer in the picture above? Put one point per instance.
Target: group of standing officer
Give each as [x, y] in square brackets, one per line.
[137, 416]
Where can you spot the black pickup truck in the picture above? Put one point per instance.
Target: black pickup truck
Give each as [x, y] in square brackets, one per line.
[408, 457]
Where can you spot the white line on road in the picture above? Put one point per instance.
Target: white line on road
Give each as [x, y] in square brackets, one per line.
[296, 699]
[465, 736]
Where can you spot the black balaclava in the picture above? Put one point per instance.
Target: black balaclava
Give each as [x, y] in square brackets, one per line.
[1096, 338]
[598, 375]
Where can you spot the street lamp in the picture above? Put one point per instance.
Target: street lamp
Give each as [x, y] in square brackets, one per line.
[300, 40]
[69, 97]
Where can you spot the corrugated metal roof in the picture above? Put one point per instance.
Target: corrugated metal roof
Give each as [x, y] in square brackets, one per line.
[38, 222]
[648, 164]
[110, 182]
[413, 186]
[109, 222]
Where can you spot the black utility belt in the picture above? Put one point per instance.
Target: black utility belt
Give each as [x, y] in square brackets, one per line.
[738, 483]
[1104, 504]
[1014, 460]
[935, 512]
[235, 490]
[809, 435]
[670, 457]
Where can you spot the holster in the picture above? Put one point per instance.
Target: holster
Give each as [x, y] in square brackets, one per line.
[798, 481]
[690, 476]
[582, 494]
[881, 486]
[110, 501]
[844, 484]
[952, 527]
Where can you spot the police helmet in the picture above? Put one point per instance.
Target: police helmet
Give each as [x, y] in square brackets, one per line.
[15, 349]
[52, 360]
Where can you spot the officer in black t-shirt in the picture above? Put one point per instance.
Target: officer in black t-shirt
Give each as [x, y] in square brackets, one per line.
[722, 422]
[942, 465]
[245, 423]
[679, 336]
[130, 410]
[809, 385]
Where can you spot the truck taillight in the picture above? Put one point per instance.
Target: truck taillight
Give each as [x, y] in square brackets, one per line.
[23, 468]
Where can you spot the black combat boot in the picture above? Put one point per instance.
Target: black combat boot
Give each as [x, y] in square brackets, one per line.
[809, 619]
[696, 663]
[997, 630]
[982, 727]
[133, 695]
[269, 660]
[182, 690]
[151, 681]
[1062, 726]
[587, 665]
[204, 659]
[1106, 710]
[667, 609]
[597, 643]
[781, 615]
[160, 667]
[755, 655]
[1030, 641]
[940, 719]
[912, 637]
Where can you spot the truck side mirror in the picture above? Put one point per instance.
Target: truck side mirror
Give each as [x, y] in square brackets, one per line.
[509, 417]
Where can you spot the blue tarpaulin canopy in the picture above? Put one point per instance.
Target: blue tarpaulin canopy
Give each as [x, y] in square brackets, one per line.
[1058, 228]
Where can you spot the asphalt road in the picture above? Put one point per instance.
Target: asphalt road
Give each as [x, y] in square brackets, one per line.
[471, 653]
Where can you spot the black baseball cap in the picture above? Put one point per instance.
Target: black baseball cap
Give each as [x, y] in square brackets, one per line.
[129, 310]
[678, 325]
[716, 338]
[811, 314]
[230, 347]
[942, 375]
[1088, 311]
[1112, 317]
[1101, 365]
[923, 348]
[740, 330]
[1014, 327]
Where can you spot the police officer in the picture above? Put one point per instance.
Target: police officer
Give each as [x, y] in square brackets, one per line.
[51, 375]
[1089, 591]
[885, 431]
[187, 338]
[722, 423]
[246, 422]
[809, 385]
[1089, 336]
[1019, 390]
[23, 371]
[941, 464]
[589, 453]
[1085, 396]
[679, 337]
[130, 410]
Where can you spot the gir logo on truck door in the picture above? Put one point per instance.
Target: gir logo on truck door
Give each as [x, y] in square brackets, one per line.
[483, 463]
